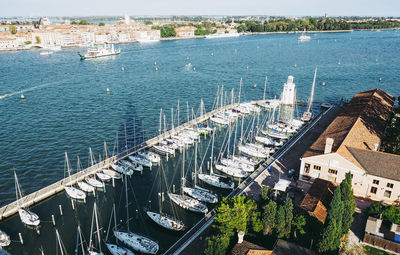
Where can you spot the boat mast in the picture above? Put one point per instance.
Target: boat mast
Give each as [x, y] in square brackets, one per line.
[17, 188]
[127, 209]
[183, 171]
[172, 118]
[187, 111]
[312, 92]
[212, 154]
[161, 192]
[159, 130]
[195, 164]
[177, 109]
[240, 90]
[59, 242]
[265, 87]
[97, 226]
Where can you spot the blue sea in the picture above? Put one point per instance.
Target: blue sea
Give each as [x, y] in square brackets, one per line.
[67, 109]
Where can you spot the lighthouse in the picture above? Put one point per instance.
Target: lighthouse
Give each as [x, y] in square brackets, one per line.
[288, 96]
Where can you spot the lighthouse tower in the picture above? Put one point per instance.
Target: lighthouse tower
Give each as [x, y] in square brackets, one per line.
[288, 96]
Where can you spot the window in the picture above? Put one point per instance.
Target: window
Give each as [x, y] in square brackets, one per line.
[389, 185]
[373, 190]
[388, 193]
[306, 168]
[375, 182]
[317, 167]
[332, 171]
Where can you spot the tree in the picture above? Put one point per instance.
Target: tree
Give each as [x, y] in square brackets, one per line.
[101, 24]
[37, 39]
[332, 231]
[349, 205]
[280, 222]
[288, 207]
[28, 42]
[217, 245]
[264, 192]
[148, 22]
[12, 29]
[168, 31]
[83, 22]
[298, 222]
[269, 217]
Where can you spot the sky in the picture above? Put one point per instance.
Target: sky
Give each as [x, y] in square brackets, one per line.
[200, 7]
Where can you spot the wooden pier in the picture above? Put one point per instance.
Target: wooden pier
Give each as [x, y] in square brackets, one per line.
[58, 186]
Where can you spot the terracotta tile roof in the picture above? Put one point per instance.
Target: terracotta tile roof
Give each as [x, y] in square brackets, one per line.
[378, 163]
[360, 124]
[245, 247]
[283, 247]
[317, 200]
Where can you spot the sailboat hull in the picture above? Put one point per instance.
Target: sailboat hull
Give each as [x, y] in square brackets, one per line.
[116, 249]
[165, 221]
[188, 203]
[215, 181]
[137, 242]
[201, 195]
[29, 218]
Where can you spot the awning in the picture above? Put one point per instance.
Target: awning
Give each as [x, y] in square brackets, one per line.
[282, 185]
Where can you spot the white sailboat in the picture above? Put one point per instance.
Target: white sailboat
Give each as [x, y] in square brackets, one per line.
[134, 166]
[103, 177]
[184, 201]
[307, 115]
[94, 182]
[83, 185]
[135, 241]
[252, 151]
[140, 160]
[198, 192]
[161, 218]
[69, 189]
[95, 220]
[121, 169]
[4, 239]
[115, 249]
[112, 173]
[151, 156]
[26, 216]
[213, 179]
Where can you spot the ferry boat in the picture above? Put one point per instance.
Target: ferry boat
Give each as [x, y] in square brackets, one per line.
[221, 35]
[100, 51]
[304, 38]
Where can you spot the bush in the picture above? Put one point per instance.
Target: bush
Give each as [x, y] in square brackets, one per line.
[101, 24]
[28, 42]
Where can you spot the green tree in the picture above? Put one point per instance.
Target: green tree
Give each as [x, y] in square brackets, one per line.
[37, 39]
[168, 31]
[101, 24]
[349, 205]
[375, 209]
[269, 217]
[12, 29]
[28, 42]
[332, 231]
[280, 222]
[217, 245]
[264, 192]
[288, 217]
[299, 222]
[148, 22]
[83, 22]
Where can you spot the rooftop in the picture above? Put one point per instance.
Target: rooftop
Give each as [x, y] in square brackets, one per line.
[283, 247]
[317, 200]
[360, 124]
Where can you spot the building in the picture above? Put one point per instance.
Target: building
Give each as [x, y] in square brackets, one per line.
[351, 143]
[185, 31]
[382, 236]
[318, 198]
[281, 247]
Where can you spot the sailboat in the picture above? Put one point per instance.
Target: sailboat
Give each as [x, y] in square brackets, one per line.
[198, 192]
[122, 169]
[213, 179]
[70, 190]
[4, 239]
[307, 115]
[161, 218]
[115, 249]
[184, 201]
[83, 185]
[92, 250]
[60, 244]
[151, 156]
[135, 241]
[27, 217]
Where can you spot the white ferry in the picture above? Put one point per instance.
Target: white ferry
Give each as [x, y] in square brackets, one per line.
[100, 51]
[303, 37]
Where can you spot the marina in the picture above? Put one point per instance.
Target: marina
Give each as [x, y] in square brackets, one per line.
[133, 147]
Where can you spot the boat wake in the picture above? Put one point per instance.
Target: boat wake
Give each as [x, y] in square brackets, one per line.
[29, 89]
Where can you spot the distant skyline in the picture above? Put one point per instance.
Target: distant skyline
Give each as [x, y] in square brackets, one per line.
[202, 7]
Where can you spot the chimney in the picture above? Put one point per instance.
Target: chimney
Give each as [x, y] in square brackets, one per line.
[328, 145]
[240, 236]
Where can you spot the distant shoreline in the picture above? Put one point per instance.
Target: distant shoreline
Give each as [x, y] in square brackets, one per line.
[242, 34]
